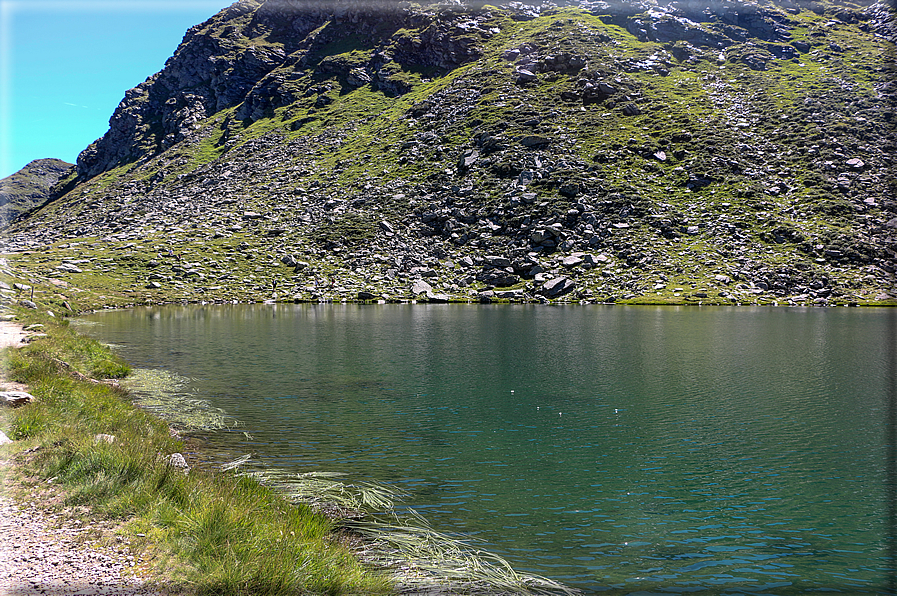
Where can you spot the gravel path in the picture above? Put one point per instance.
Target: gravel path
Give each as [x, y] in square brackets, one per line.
[42, 554]
[11, 334]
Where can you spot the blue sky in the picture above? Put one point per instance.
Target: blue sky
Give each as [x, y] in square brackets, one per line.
[66, 64]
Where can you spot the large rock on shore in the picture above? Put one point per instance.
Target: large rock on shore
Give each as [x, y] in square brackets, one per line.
[15, 399]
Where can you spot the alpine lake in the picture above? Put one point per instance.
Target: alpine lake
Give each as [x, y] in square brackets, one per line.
[616, 449]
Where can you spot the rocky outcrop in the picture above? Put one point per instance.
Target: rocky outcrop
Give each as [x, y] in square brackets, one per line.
[30, 187]
[222, 64]
[213, 69]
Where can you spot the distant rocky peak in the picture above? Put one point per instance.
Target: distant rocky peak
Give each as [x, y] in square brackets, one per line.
[231, 60]
[30, 187]
[261, 55]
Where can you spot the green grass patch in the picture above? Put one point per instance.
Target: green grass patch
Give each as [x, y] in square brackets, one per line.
[349, 228]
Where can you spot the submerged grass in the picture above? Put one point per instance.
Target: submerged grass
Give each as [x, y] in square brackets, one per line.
[432, 561]
[167, 395]
[435, 558]
[215, 533]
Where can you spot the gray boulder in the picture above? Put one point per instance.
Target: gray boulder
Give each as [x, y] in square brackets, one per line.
[14, 399]
[526, 76]
[177, 460]
[557, 286]
[498, 278]
[571, 261]
[468, 158]
[68, 268]
[436, 297]
[534, 141]
[497, 261]
[358, 77]
[420, 287]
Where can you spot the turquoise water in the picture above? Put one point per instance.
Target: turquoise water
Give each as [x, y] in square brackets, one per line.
[620, 450]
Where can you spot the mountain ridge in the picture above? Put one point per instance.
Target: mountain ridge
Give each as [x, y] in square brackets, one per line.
[30, 187]
[729, 153]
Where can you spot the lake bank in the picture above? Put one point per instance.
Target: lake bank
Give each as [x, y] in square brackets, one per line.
[45, 550]
[78, 278]
[213, 531]
[110, 481]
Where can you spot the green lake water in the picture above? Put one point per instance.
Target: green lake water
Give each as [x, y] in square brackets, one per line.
[620, 450]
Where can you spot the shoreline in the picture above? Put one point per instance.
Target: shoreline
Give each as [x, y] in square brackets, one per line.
[59, 539]
[892, 303]
[84, 552]
[32, 282]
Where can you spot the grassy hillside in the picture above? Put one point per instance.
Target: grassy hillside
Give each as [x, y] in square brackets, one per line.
[577, 154]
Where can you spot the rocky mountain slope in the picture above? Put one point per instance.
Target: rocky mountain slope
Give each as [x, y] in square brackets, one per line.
[684, 152]
[30, 187]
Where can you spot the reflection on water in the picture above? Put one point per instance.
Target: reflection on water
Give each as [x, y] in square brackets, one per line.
[620, 450]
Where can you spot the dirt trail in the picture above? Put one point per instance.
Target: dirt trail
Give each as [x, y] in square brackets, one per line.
[11, 334]
[45, 553]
